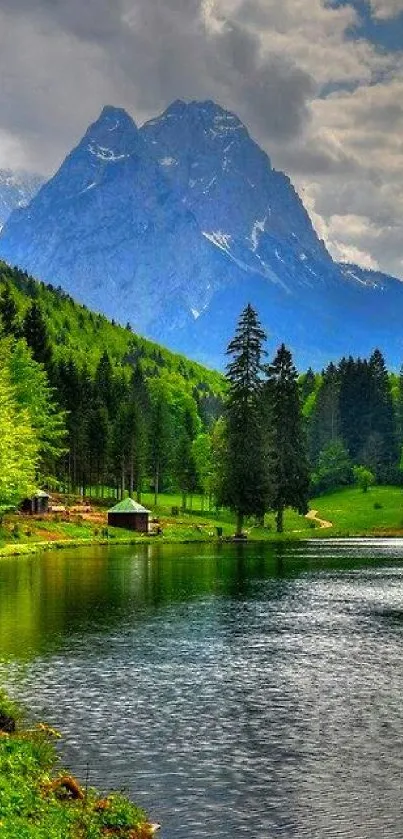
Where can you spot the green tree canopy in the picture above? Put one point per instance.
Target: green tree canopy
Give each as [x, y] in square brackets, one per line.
[245, 483]
[289, 470]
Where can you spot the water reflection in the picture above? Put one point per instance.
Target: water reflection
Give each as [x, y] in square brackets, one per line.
[247, 691]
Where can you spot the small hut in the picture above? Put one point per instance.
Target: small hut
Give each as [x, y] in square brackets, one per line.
[130, 515]
[37, 504]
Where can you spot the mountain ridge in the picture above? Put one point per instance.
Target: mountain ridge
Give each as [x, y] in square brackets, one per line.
[175, 224]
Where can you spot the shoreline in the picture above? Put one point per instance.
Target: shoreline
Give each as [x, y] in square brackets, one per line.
[41, 797]
[11, 550]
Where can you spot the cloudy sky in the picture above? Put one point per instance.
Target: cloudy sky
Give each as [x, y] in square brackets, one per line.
[319, 84]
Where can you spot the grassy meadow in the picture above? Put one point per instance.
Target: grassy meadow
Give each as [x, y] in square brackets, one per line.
[351, 512]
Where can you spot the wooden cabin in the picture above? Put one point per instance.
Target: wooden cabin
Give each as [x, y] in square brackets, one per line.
[37, 504]
[129, 515]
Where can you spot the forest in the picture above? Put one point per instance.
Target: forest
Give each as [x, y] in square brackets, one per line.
[89, 408]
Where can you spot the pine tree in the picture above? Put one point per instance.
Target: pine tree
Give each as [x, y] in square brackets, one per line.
[354, 405]
[307, 385]
[382, 419]
[289, 464]
[105, 385]
[160, 442]
[9, 313]
[186, 468]
[324, 421]
[98, 437]
[36, 335]
[245, 482]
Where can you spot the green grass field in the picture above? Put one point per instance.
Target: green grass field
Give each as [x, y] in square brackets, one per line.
[379, 512]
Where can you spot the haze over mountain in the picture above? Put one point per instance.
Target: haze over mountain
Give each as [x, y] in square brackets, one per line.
[16, 190]
[175, 226]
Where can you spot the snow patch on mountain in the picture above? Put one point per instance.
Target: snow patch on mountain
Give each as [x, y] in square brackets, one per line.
[258, 227]
[220, 239]
[105, 154]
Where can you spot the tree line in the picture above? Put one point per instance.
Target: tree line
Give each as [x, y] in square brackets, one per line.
[267, 441]
[122, 426]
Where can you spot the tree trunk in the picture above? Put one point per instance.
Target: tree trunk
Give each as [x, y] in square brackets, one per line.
[239, 524]
[156, 485]
[123, 479]
[131, 477]
[280, 520]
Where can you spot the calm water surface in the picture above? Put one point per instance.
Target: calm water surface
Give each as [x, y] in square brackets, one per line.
[242, 691]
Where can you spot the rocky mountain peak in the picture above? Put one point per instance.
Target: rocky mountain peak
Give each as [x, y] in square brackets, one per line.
[112, 136]
[178, 224]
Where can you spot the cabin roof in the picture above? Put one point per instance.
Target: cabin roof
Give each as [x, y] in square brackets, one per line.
[128, 506]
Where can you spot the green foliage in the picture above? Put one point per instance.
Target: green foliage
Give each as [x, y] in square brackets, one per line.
[127, 404]
[202, 452]
[289, 472]
[85, 335]
[36, 334]
[19, 446]
[34, 804]
[363, 477]
[356, 513]
[334, 468]
[245, 478]
[33, 393]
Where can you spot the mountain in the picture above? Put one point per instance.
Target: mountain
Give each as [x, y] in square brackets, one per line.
[17, 189]
[176, 225]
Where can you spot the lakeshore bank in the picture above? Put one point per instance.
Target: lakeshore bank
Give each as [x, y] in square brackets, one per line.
[39, 799]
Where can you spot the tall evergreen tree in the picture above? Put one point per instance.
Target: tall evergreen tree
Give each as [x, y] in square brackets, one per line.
[307, 384]
[289, 464]
[36, 335]
[105, 385]
[98, 444]
[382, 419]
[9, 313]
[245, 482]
[160, 442]
[354, 405]
[324, 421]
[32, 392]
[186, 468]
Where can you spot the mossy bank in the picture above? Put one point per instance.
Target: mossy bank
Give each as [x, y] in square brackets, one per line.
[38, 800]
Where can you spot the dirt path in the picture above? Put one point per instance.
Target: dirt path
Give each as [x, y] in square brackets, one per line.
[313, 516]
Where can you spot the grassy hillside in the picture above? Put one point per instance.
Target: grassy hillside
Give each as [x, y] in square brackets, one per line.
[378, 512]
[77, 332]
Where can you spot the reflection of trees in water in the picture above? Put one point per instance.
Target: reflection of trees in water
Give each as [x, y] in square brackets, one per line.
[44, 599]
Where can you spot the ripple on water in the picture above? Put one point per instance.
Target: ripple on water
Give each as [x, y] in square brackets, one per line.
[261, 702]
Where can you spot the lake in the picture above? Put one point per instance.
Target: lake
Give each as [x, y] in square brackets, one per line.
[231, 690]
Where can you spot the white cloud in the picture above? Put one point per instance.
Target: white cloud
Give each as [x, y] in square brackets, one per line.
[384, 9]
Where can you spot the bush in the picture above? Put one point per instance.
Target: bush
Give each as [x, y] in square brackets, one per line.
[363, 477]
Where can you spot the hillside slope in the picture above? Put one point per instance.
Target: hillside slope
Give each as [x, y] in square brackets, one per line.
[78, 333]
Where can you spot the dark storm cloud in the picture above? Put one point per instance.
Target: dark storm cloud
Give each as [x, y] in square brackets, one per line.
[62, 61]
[91, 19]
